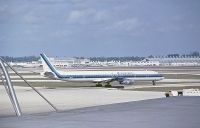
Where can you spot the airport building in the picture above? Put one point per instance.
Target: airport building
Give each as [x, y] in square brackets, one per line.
[77, 62]
[26, 64]
[124, 64]
[69, 62]
[144, 62]
[161, 61]
[177, 61]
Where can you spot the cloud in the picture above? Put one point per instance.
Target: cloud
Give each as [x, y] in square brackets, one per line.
[169, 28]
[126, 25]
[3, 8]
[87, 16]
[32, 17]
[78, 15]
[61, 1]
[101, 16]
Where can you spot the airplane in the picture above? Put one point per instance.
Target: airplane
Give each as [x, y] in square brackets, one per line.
[99, 77]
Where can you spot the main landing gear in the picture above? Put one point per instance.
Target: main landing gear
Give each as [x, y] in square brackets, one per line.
[107, 85]
[154, 82]
[99, 85]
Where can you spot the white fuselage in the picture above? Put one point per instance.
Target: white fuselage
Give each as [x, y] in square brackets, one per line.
[105, 75]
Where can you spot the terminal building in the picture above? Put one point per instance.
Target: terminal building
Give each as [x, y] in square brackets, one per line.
[57, 62]
[159, 61]
[77, 62]
[177, 61]
[69, 62]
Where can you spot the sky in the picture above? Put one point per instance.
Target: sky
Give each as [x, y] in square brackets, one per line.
[91, 28]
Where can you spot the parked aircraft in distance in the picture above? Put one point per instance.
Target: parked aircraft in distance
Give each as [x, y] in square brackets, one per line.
[99, 77]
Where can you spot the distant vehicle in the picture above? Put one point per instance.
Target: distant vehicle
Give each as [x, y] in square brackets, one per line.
[99, 77]
[184, 92]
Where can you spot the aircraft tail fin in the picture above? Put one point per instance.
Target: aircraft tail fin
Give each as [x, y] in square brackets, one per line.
[48, 69]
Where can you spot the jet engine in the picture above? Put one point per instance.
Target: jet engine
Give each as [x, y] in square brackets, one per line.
[49, 74]
[127, 81]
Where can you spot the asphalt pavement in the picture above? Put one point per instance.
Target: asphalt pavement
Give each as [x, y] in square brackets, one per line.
[173, 112]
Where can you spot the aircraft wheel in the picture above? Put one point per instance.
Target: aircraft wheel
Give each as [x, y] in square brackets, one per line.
[108, 85]
[154, 82]
[99, 85]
